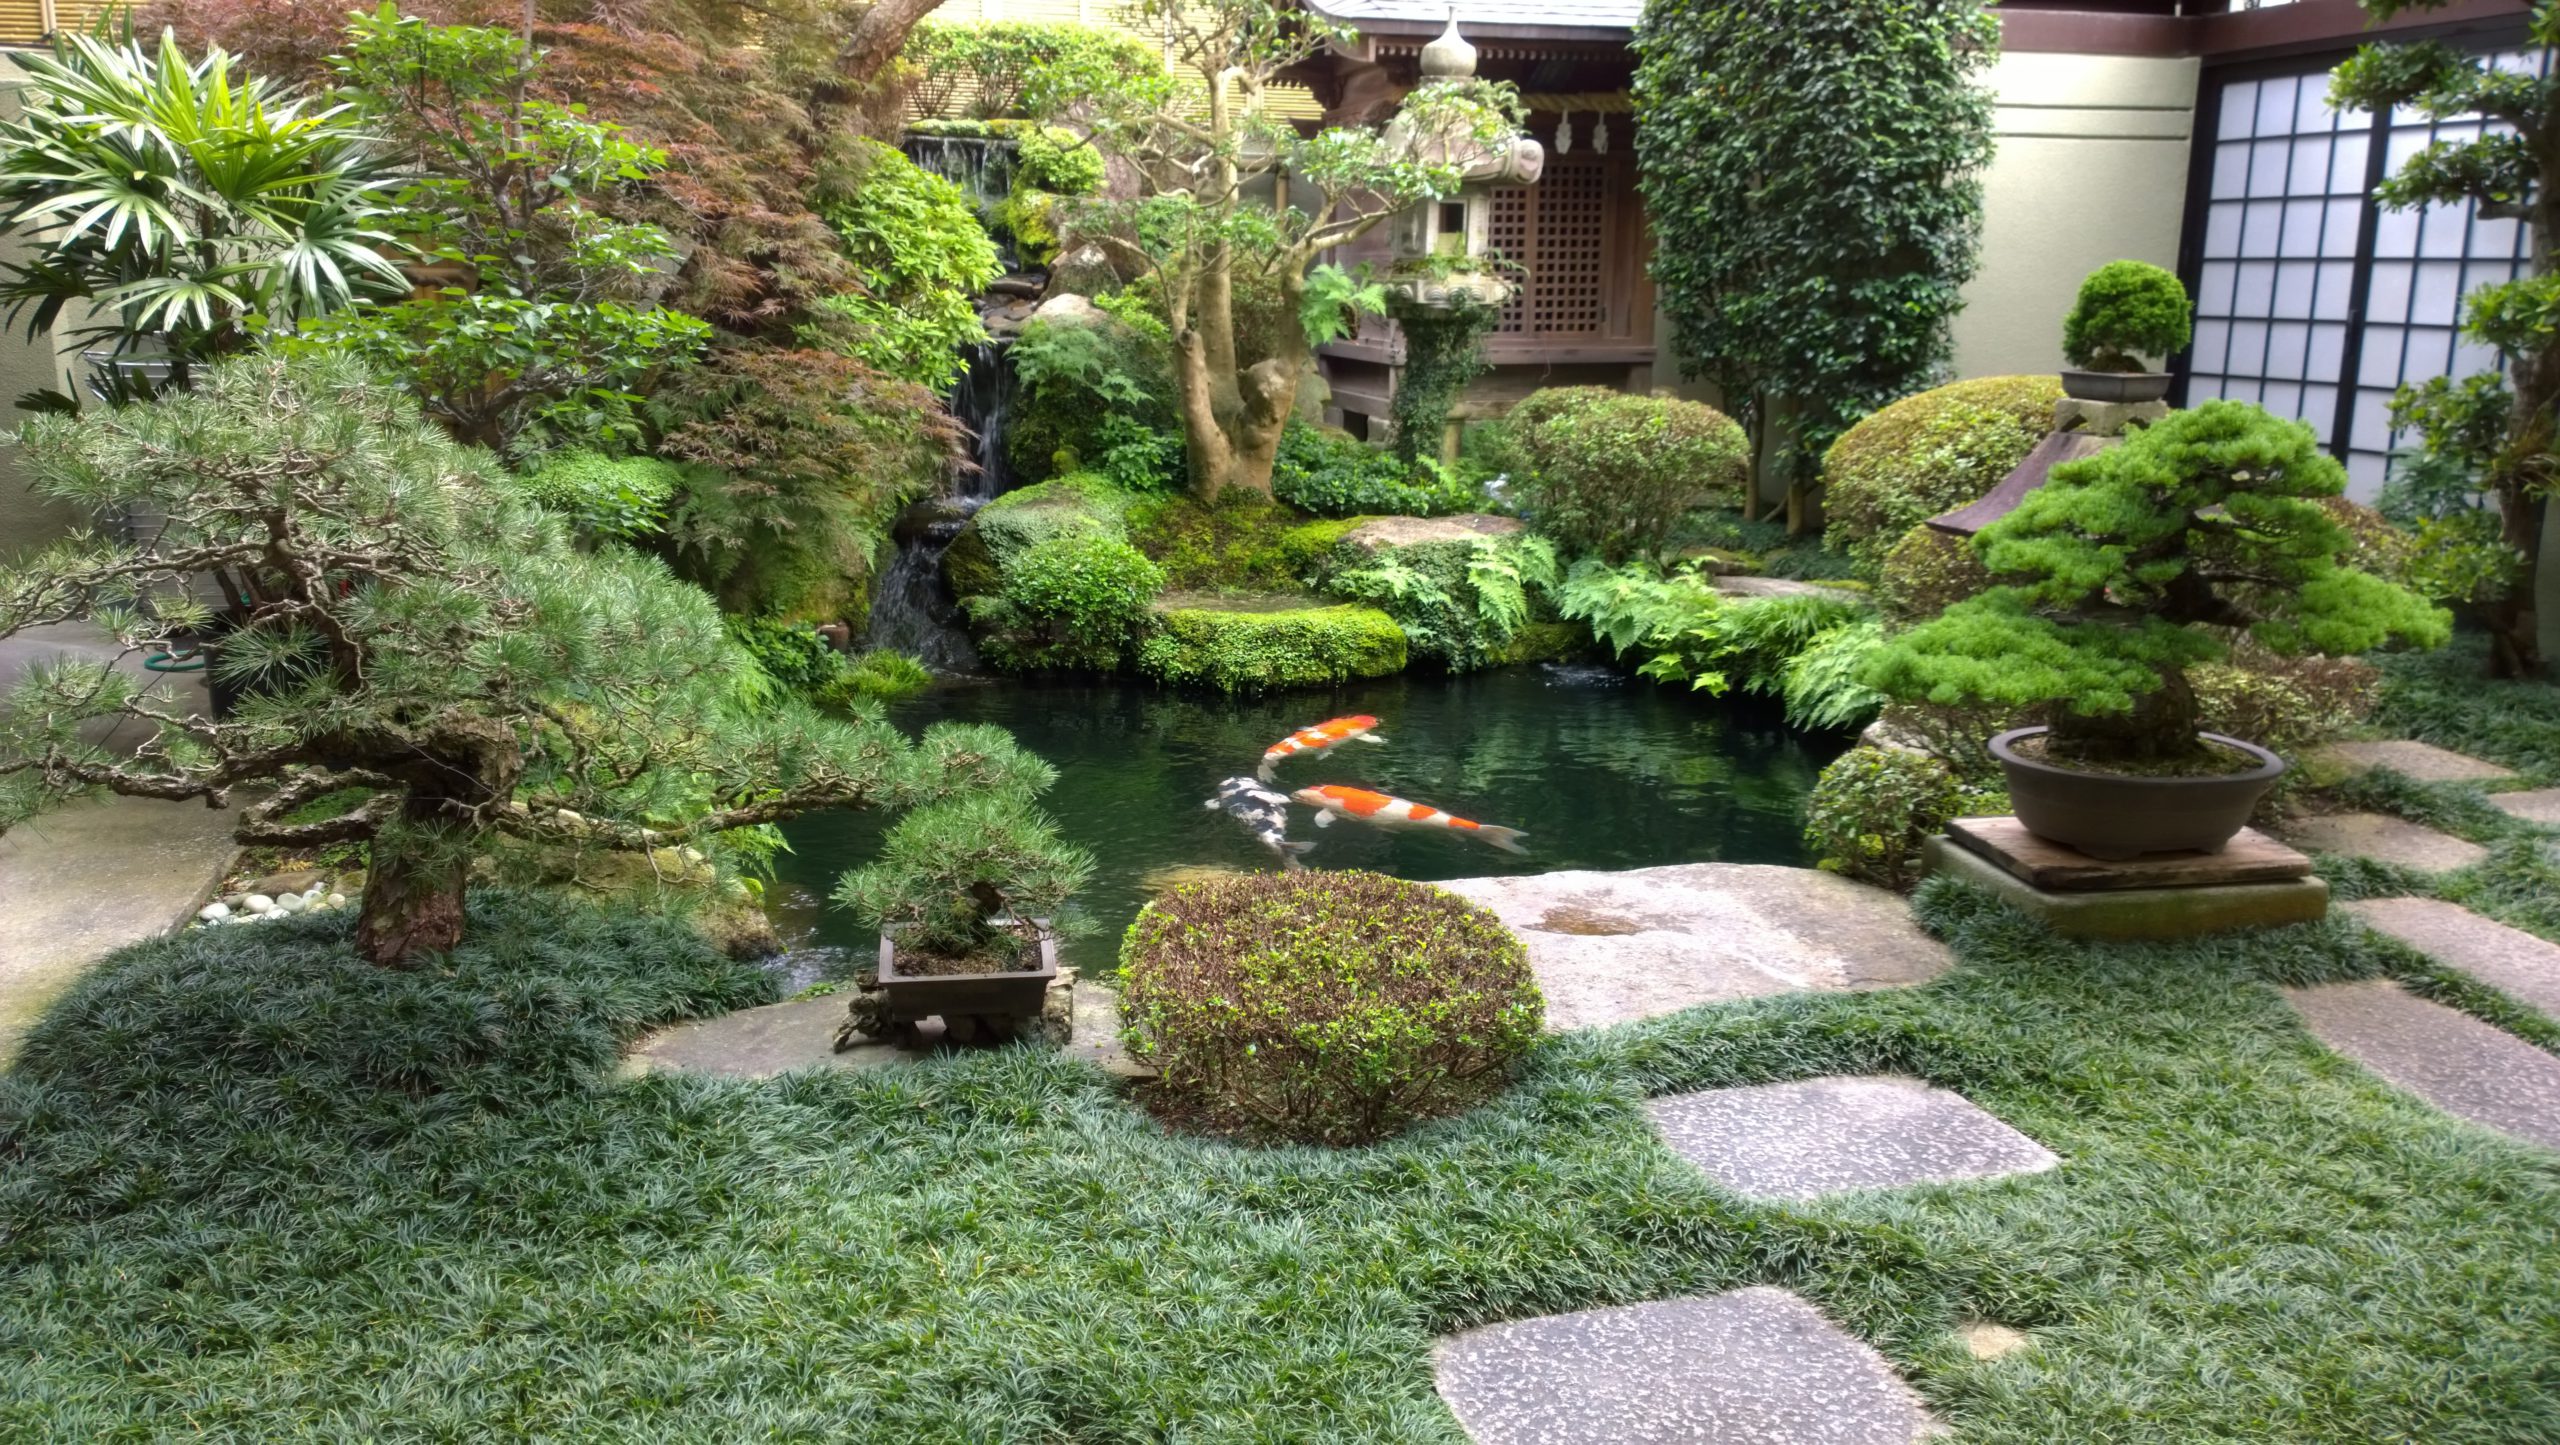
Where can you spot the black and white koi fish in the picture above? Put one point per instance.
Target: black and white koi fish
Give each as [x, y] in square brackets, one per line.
[1264, 814]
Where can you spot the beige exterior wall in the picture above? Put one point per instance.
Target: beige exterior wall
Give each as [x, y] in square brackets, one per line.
[2091, 168]
[26, 520]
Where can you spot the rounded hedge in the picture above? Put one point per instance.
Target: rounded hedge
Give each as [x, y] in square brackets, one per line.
[1073, 601]
[1927, 572]
[1927, 454]
[1874, 806]
[1332, 1008]
[1611, 474]
[2126, 311]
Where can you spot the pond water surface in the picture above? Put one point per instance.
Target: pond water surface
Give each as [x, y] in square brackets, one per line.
[1597, 771]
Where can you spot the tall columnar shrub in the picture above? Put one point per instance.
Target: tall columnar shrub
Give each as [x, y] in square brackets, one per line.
[2120, 569]
[2512, 168]
[1611, 474]
[1811, 168]
[1927, 454]
[1335, 1008]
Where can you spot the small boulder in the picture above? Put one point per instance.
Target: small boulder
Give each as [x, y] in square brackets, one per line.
[1069, 309]
[258, 903]
[1380, 532]
[214, 912]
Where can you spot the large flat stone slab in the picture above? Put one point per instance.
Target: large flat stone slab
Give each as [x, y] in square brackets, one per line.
[2535, 805]
[2446, 1057]
[2250, 857]
[87, 879]
[759, 1043]
[2425, 762]
[2516, 963]
[2136, 913]
[2384, 839]
[1738, 586]
[1755, 1366]
[1611, 948]
[1813, 1137]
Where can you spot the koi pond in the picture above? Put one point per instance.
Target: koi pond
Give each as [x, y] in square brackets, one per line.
[1596, 771]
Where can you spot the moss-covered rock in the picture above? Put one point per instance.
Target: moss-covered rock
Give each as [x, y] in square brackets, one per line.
[1544, 642]
[1927, 454]
[1234, 544]
[1010, 525]
[1253, 644]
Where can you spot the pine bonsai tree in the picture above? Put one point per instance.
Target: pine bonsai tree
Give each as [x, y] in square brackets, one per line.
[406, 627]
[2126, 310]
[2126, 569]
[966, 877]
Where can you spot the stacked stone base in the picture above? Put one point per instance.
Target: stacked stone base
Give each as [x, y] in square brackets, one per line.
[2256, 882]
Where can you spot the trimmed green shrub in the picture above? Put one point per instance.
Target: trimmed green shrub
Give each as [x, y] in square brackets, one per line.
[1874, 807]
[1332, 473]
[618, 498]
[2289, 704]
[2126, 311]
[1048, 158]
[1928, 454]
[1237, 651]
[1068, 602]
[1334, 1008]
[1927, 572]
[1611, 474]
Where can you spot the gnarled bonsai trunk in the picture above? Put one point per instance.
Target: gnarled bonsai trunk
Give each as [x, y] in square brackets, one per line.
[459, 773]
[2160, 728]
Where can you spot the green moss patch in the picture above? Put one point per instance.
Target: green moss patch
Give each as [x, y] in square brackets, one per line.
[1010, 525]
[1251, 644]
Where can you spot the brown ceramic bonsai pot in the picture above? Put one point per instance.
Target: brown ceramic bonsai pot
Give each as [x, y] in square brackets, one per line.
[2116, 817]
[1004, 994]
[2121, 387]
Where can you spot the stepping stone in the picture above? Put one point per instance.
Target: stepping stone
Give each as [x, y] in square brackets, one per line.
[2384, 839]
[2446, 1057]
[2424, 762]
[2510, 960]
[2539, 805]
[758, 1043]
[1781, 587]
[1754, 1366]
[1097, 1033]
[1825, 1136]
[1611, 948]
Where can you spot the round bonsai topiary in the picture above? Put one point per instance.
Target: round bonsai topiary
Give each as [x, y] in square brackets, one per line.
[1611, 474]
[1928, 454]
[1332, 1008]
[2127, 310]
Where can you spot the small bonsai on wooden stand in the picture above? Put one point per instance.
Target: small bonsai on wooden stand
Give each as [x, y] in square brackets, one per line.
[2126, 311]
[966, 896]
[2123, 571]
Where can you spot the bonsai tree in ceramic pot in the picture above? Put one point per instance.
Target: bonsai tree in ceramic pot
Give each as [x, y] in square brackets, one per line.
[2120, 573]
[966, 895]
[2126, 311]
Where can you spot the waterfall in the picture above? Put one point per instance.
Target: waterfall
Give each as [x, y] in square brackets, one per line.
[912, 609]
[980, 165]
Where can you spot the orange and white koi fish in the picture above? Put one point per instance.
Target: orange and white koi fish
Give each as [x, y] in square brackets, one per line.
[1323, 738]
[1332, 801]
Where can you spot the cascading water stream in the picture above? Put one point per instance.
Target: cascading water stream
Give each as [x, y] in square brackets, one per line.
[912, 609]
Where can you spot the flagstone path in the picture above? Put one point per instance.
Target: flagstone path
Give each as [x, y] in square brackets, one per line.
[2536, 805]
[2510, 960]
[2424, 762]
[1814, 1137]
[1757, 1366]
[2446, 1057]
[2382, 838]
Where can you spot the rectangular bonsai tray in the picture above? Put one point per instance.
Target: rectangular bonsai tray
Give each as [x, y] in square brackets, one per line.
[1013, 992]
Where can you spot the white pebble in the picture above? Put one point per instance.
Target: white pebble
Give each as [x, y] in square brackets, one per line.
[335, 900]
[257, 903]
[214, 912]
[292, 903]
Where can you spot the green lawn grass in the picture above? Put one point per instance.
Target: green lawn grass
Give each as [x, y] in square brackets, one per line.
[253, 1189]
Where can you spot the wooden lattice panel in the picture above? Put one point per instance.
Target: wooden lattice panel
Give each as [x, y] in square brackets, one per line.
[1557, 230]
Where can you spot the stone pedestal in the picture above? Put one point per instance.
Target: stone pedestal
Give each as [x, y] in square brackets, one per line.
[2105, 418]
[2256, 882]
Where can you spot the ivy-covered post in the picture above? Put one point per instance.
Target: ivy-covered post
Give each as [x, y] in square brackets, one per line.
[2506, 172]
[1812, 170]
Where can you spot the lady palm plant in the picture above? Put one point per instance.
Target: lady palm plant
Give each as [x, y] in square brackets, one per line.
[178, 198]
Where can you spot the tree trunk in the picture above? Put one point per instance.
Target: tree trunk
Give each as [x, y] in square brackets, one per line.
[878, 37]
[2160, 728]
[413, 895]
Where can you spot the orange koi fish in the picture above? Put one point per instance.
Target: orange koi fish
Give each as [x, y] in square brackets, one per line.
[1332, 801]
[1323, 738]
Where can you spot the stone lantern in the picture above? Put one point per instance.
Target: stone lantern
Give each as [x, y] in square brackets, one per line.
[1442, 249]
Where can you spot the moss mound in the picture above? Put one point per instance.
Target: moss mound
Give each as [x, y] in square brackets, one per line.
[1926, 454]
[1250, 644]
[1083, 505]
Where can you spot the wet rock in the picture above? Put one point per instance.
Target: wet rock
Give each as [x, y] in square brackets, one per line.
[1027, 287]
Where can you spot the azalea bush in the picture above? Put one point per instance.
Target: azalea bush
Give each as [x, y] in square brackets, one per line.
[1609, 474]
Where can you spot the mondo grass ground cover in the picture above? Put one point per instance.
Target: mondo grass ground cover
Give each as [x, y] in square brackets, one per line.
[250, 1188]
